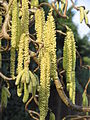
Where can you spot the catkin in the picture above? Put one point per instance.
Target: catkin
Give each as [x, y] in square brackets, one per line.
[39, 27]
[12, 62]
[21, 53]
[51, 38]
[81, 14]
[25, 17]
[14, 35]
[14, 30]
[47, 76]
[39, 24]
[42, 93]
[85, 17]
[19, 30]
[47, 64]
[69, 63]
[26, 51]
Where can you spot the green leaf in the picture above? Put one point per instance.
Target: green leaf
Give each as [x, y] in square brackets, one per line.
[85, 100]
[52, 116]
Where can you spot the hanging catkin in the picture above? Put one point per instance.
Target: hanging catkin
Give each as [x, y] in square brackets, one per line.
[47, 76]
[12, 62]
[69, 63]
[21, 53]
[25, 16]
[47, 65]
[26, 51]
[14, 30]
[39, 24]
[39, 27]
[14, 35]
[51, 37]
[23, 78]
[44, 57]
[42, 92]
[19, 29]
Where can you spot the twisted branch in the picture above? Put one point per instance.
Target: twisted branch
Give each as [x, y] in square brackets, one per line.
[66, 100]
[76, 117]
[31, 112]
[4, 33]
[6, 78]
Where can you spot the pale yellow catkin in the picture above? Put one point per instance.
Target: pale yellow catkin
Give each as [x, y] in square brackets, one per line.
[14, 30]
[25, 16]
[42, 94]
[51, 39]
[21, 53]
[47, 65]
[14, 35]
[12, 62]
[39, 27]
[26, 51]
[69, 62]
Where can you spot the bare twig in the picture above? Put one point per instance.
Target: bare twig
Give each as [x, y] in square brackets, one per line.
[74, 5]
[4, 33]
[31, 112]
[87, 86]
[65, 10]
[6, 78]
[58, 31]
[76, 117]
[79, 57]
[52, 6]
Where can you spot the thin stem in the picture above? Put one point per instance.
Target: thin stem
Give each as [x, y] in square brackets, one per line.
[6, 78]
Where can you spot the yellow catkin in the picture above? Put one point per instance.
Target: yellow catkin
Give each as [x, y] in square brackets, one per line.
[39, 24]
[81, 14]
[12, 62]
[69, 62]
[26, 93]
[86, 17]
[44, 58]
[39, 27]
[19, 29]
[44, 85]
[26, 51]
[47, 65]
[21, 53]
[14, 30]
[14, 35]
[47, 73]
[51, 37]
[25, 16]
[42, 94]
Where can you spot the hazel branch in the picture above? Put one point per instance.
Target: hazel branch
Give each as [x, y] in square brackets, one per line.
[4, 33]
[66, 100]
[6, 78]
